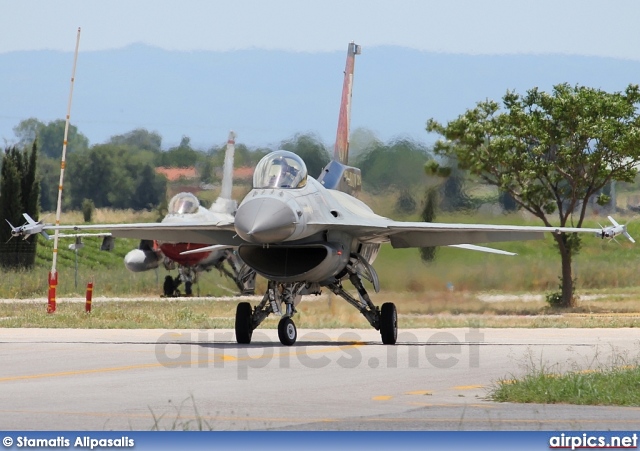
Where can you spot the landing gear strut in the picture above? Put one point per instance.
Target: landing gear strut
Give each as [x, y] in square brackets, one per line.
[278, 295]
[385, 320]
[288, 295]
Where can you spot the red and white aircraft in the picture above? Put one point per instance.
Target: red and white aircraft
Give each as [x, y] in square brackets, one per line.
[184, 208]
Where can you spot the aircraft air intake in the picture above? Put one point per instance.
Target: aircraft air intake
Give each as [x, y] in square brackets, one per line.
[299, 263]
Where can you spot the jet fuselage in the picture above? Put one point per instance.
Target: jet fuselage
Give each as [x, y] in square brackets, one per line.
[287, 234]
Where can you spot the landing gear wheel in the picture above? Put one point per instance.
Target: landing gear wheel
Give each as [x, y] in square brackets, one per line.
[168, 287]
[243, 323]
[388, 323]
[287, 332]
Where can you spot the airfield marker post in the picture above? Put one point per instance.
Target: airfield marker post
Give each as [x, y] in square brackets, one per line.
[53, 282]
[62, 166]
[87, 305]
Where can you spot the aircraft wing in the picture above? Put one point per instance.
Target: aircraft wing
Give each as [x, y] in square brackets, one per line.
[184, 232]
[427, 234]
[372, 229]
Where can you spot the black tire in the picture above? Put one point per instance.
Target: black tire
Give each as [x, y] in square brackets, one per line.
[243, 323]
[388, 323]
[168, 288]
[287, 332]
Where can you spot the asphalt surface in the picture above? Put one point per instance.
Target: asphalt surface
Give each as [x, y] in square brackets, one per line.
[434, 379]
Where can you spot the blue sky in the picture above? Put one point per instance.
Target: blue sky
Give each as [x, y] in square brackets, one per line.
[578, 27]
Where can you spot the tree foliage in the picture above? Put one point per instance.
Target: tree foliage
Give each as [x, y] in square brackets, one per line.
[19, 190]
[50, 137]
[181, 156]
[398, 165]
[140, 138]
[113, 176]
[428, 214]
[550, 151]
[309, 147]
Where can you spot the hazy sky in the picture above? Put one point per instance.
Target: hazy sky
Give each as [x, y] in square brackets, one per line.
[583, 27]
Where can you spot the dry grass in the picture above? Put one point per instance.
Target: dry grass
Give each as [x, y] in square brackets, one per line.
[431, 310]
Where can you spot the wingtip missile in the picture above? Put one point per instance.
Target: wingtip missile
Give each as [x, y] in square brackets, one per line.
[31, 227]
[614, 230]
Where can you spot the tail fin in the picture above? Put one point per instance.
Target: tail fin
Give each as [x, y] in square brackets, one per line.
[341, 150]
[224, 203]
[337, 175]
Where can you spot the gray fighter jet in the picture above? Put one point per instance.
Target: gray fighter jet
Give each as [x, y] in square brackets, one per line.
[304, 234]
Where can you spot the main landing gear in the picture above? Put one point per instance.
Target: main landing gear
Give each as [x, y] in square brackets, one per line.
[384, 319]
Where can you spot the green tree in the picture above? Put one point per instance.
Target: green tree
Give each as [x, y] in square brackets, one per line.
[428, 214]
[49, 177]
[397, 165]
[182, 156]
[50, 137]
[360, 141]
[140, 138]
[150, 190]
[310, 149]
[551, 152]
[110, 175]
[19, 190]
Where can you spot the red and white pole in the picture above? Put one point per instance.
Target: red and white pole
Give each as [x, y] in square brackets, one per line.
[53, 275]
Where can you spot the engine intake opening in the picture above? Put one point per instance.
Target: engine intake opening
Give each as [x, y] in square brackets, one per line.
[283, 261]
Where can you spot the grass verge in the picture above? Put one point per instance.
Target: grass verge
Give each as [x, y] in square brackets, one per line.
[612, 387]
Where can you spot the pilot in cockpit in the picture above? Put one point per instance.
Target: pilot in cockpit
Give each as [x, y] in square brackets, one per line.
[280, 169]
[183, 203]
[287, 175]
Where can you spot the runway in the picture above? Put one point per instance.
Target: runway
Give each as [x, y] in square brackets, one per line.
[332, 379]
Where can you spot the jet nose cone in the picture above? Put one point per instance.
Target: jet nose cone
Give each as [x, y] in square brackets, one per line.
[265, 220]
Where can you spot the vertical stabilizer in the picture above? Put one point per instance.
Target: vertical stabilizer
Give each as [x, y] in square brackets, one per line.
[337, 175]
[224, 203]
[341, 150]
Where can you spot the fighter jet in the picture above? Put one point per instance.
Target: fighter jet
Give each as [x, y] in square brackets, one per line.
[185, 208]
[304, 235]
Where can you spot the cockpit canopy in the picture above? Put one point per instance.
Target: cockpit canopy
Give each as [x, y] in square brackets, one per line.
[280, 169]
[183, 203]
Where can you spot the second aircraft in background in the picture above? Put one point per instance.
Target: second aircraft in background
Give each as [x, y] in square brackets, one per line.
[185, 208]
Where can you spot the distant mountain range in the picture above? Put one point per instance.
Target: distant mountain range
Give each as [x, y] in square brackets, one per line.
[268, 96]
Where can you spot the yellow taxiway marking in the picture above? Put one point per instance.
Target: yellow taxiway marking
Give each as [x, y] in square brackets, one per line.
[382, 398]
[419, 392]
[467, 387]
[173, 364]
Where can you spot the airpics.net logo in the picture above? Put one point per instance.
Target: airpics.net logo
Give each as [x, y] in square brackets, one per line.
[316, 350]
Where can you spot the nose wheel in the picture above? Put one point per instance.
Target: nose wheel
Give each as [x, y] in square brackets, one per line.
[287, 332]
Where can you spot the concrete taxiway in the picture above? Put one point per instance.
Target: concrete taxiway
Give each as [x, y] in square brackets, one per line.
[331, 379]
